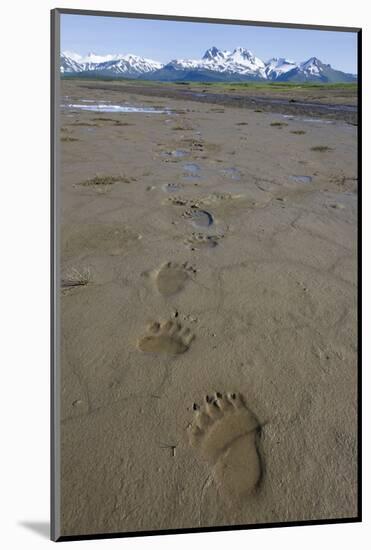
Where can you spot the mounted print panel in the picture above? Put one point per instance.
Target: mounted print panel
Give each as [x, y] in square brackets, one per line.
[205, 213]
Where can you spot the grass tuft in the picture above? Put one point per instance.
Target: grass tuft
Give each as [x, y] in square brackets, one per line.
[82, 124]
[279, 124]
[180, 127]
[103, 119]
[76, 277]
[298, 132]
[121, 123]
[106, 180]
[321, 148]
[69, 138]
[114, 120]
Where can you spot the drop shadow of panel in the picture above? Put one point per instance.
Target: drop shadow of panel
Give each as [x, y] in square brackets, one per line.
[42, 528]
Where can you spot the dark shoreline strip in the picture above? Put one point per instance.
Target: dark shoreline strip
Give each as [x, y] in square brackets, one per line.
[347, 113]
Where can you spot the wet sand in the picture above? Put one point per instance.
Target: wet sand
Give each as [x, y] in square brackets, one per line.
[208, 308]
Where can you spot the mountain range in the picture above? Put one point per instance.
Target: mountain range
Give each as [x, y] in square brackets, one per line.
[215, 65]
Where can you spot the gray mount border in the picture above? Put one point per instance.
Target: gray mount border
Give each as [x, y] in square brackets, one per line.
[55, 470]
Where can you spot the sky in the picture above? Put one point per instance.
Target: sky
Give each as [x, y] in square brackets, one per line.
[167, 40]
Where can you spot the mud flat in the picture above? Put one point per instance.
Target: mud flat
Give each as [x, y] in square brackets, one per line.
[208, 305]
[335, 102]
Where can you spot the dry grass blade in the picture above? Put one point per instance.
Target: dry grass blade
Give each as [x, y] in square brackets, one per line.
[279, 124]
[75, 277]
[69, 138]
[298, 132]
[97, 181]
[321, 148]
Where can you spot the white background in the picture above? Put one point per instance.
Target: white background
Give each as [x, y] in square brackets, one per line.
[24, 253]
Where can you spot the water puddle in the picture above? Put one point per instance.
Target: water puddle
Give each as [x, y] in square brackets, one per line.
[172, 187]
[200, 218]
[177, 153]
[313, 120]
[301, 179]
[106, 108]
[322, 120]
[191, 170]
[231, 173]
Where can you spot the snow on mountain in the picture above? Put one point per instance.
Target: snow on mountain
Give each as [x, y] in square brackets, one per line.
[91, 57]
[312, 67]
[129, 64]
[214, 54]
[240, 61]
[244, 58]
[314, 70]
[244, 62]
[181, 64]
[69, 65]
[277, 66]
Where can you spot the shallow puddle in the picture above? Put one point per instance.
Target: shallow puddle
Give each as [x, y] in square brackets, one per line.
[172, 187]
[323, 121]
[177, 153]
[232, 173]
[301, 179]
[191, 170]
[201, 218]
[106, 108]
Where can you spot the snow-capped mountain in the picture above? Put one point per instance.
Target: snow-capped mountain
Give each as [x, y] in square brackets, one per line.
[239, 62]
[215, 65]
[129, 65]
[314, 70]
[277, 66]
[312, 67]
[243, 61]
[214, 54]
[68, 65]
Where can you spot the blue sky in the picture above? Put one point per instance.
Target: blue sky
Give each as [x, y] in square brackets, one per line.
[166, 40]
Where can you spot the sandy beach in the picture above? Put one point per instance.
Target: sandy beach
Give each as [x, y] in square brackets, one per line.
[208, 303]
